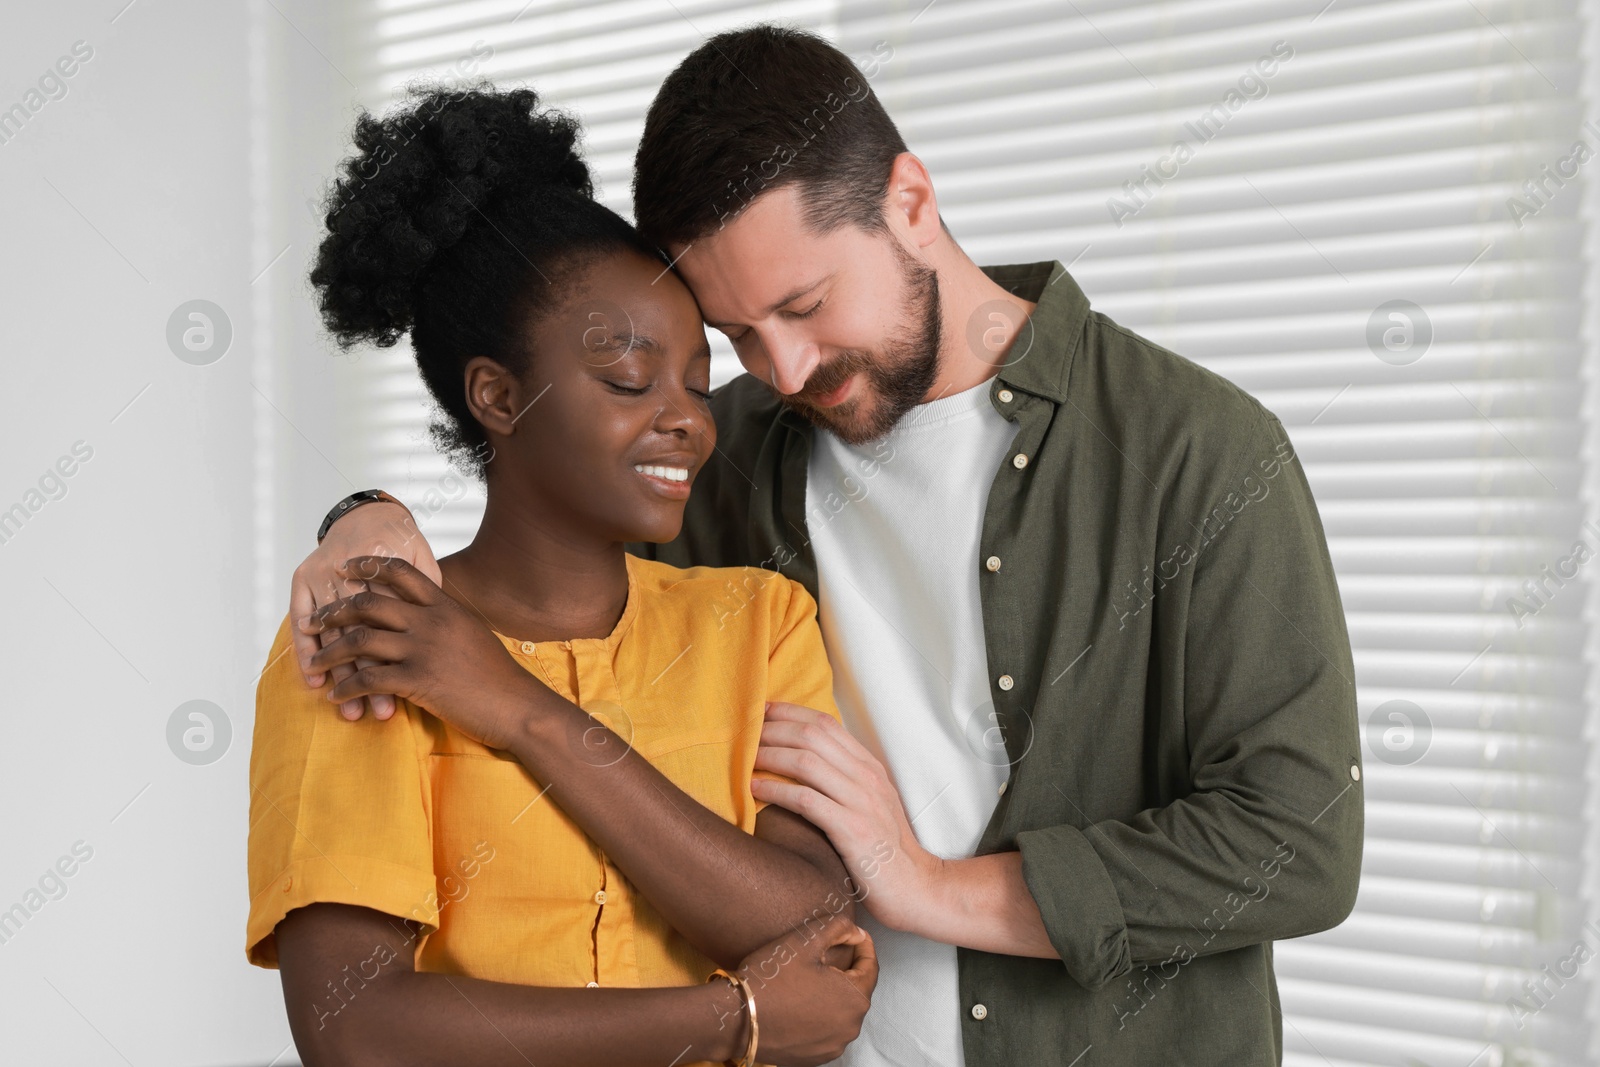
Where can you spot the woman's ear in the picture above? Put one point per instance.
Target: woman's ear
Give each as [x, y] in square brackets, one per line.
[494, 395]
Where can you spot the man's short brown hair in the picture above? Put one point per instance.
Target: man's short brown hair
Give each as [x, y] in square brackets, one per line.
[752, 110]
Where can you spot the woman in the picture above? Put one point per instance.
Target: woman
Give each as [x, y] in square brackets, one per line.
[552, 844]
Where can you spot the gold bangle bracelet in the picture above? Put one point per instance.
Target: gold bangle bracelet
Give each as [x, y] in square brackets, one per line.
[747, 1001]
[755, 1029]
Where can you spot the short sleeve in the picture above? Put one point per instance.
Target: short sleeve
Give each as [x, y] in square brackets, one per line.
[798, 671]
[339, 810]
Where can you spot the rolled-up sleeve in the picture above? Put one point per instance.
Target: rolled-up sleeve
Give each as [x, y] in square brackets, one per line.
[339, 811]
[1086, 925]
[1266, 844]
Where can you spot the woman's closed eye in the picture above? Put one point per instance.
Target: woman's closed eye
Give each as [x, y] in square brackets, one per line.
[640, 390]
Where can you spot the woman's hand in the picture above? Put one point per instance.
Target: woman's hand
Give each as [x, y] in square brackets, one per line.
[421, 645]
[807, 1010]
[376, 529]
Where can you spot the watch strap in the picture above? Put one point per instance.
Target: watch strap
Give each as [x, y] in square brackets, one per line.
[354, 500]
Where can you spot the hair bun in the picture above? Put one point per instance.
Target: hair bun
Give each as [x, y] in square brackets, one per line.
[424, 173]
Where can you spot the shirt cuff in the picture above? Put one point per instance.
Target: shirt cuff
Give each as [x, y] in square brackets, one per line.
[1081, 911]
[362, 881]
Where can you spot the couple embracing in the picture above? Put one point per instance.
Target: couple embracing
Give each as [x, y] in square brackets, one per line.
[803, 719]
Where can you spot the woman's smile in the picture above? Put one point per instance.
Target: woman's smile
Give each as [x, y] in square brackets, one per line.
[670, 478]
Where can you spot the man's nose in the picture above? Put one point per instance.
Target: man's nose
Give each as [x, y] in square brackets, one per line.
[791, 363]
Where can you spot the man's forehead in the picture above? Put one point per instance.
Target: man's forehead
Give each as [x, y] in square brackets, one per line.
[754, 262]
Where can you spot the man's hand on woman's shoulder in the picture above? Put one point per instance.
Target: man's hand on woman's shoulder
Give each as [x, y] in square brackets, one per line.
[376, 529]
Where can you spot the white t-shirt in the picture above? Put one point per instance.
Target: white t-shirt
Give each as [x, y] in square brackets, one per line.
[895, 525]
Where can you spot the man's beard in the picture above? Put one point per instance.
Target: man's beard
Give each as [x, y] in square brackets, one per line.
[894, 379]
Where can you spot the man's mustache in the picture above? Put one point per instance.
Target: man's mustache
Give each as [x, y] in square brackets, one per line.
[829, 376]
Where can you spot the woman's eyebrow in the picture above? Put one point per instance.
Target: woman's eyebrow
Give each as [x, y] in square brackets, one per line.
[625, 344]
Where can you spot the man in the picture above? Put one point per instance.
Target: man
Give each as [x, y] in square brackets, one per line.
[1086, 635]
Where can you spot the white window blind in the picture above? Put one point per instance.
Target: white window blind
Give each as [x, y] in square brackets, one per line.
[1448, 438]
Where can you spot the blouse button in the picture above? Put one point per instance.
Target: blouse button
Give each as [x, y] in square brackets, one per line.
[600, 896]
[592, 985]
[1005, 396]
[1003, 788]
[1355, 773]
[527, 648]
[993, 563]
[1019, 461]
[980, 1012]
[1006, 682]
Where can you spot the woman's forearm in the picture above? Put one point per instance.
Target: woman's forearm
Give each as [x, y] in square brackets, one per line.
[351, 1006]
[448, 1020]
[726, 891]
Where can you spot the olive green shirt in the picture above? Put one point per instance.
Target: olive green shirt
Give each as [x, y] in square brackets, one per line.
[1171, 670]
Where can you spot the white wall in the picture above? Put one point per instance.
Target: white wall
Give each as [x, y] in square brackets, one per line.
[156, 578]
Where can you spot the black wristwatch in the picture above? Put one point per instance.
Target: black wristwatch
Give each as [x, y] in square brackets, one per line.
[354, 500]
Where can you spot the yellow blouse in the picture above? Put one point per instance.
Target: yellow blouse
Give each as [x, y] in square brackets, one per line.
[412, 818]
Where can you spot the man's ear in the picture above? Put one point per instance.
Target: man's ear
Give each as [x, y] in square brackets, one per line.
[911, 200]
[494, 395]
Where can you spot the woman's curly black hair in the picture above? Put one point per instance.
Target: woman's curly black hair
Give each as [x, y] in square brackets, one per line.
[460, 219]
